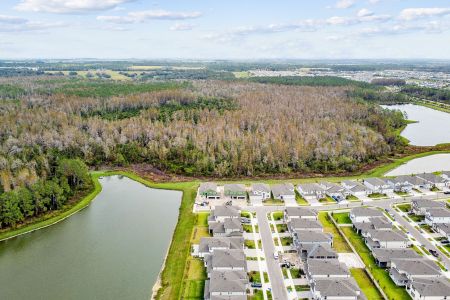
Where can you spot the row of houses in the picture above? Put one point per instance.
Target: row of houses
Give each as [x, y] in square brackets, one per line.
[328, 277]
[286, 191]
[390, 248]
[223, 256]
[435, 215]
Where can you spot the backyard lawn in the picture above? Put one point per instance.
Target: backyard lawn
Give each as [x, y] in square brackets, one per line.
[342, 218]
[381, 275]
[365, 284]
[300, 200]
[339, 244]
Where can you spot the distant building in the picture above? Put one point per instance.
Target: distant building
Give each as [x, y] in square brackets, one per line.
[235, 191]
[209, 191]
[285, 191]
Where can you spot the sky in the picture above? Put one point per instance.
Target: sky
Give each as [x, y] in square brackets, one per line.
[231, 29]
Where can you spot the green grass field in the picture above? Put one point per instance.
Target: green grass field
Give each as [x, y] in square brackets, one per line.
[339, 243]
[342, 218]
[365, 284]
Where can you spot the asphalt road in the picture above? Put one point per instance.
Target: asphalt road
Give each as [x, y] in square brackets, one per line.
[273, 267]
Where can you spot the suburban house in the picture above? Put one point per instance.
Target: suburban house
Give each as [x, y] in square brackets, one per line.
[429, 289]
[383, 257]
[403, 272]
[291, 213]
[304, 224]
[437, 215]
[322, 269]
[235, 191]
[420, 206]
[415, 181]
[364, 214]
[446, 176]
[321, 252]
[443, 229]
[209, 244]
[381, 223]
[378, 185]
[433, 180]
[336, 288]
[222, 212]
[334, 190]
[227, 284]
[209, 191]
[226, 260]
[311, 191]
[229, 227]
[392, 239]
[285, 191]
[401, 183]
[355, 188]
[304, 240]
[259, 192]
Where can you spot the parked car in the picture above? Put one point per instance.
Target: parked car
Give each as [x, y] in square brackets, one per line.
[445, 242]
[447, 192]
[276, 255]
[433, 252]
[256, 285]
[246, 220]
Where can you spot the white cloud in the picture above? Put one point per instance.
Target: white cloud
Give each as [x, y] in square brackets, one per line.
[12, 19]
[68, 6]
[364, 13]
[409, 14]
[345, 4]
[374, 1]
[181, 27]
[145, 15]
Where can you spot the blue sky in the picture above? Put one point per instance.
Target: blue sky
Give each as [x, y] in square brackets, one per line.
[245, 29]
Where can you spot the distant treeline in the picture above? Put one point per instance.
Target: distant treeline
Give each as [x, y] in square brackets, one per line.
[427, 93]
[310, 81]
[388, 81]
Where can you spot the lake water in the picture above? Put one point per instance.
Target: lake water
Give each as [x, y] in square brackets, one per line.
[431, 163]
[433, 126]
[113, 249]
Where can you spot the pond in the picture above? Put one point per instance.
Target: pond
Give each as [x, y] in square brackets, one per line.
[427, 164]
[432, 127]
[113, 249]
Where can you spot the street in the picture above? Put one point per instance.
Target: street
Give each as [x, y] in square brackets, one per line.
[273, 268]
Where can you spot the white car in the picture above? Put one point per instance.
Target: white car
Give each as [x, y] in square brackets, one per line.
[276, 255]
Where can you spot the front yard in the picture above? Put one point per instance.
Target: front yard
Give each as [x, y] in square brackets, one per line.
[341, 218]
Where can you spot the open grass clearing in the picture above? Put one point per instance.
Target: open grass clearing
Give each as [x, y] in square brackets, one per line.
[339, 243]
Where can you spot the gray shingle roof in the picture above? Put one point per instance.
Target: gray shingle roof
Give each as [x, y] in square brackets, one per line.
[261, 187]
[385, 255]
[309, 236]
[283, 189]
[375, 181]
[431, 178]
[387, 236]
[227, 259]
[366, 212]
[424, 203]
[330, 267]
[438, 212]
[310, 187]
[208, 243]
[319, 250]
[438, 287]
[304, 224]
[234, 189]
[300, 212]
[417, 267]
[209, 188]
[337, 287]
[225, 211]
[227, 281]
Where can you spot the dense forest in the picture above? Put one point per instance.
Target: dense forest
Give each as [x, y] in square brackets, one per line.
[53, 129]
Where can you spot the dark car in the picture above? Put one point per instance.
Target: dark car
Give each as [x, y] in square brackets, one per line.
[256, 285]
[433, 252]
[447, 192]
